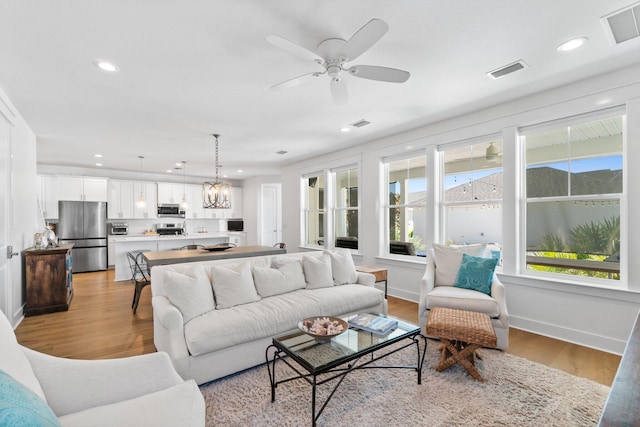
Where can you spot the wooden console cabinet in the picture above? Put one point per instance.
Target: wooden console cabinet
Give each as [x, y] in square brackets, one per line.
[49, 281]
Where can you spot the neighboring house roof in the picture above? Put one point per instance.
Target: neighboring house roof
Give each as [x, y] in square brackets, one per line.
[541, 182]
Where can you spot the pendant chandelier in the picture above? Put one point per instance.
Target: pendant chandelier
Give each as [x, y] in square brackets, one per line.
[216, 195]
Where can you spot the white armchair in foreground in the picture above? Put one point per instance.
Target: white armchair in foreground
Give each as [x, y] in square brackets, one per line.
[437, 290]
[132, 391]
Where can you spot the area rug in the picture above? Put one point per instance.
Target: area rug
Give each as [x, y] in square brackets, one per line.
[517, 392]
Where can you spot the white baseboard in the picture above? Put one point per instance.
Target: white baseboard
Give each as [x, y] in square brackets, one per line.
[585, 339]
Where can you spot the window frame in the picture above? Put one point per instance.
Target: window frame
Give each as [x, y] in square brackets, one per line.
[334, 205]
[442, 202]
[385, 250]
[525, 201]
[306, 210]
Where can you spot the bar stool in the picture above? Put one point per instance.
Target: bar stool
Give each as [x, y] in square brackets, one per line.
[139, 274]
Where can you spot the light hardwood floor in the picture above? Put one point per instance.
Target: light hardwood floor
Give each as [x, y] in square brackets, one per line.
[100, 324]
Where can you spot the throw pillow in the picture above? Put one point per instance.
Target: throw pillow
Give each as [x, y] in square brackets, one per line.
[317, 271]
[279, 261]
[275, 281]
[448, 259]
[190, 291]
[342, 267]
[476, 273]
[19, 406]
[233, 285]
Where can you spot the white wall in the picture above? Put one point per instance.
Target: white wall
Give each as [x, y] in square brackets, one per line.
[595, 316]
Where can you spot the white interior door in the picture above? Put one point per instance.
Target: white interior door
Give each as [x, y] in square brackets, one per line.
[5, 215]
[271, 228]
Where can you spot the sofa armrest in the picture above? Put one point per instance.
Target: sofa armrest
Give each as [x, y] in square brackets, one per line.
[72, 385]
[498, 293]
[168, 333]
[428, 282]
[366, 279]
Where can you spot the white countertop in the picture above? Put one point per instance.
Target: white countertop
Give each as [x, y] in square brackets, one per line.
[156, 237]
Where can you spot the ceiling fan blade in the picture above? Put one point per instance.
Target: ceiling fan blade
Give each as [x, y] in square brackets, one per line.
[293, 48]
[364, 38]
[295, 81]
[339, 91]
[382, 74]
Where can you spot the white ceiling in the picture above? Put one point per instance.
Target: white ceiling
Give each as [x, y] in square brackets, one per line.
[195, 67]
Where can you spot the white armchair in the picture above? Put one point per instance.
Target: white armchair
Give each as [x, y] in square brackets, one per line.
[434, 295]
[132, 391]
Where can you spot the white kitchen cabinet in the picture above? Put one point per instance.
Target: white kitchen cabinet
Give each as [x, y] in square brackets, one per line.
[194, 202]
[48, 196]
[238, 238]
[150, 207]
[169, 192]
[120, 202]
[83, 189]
[236, 204]
[111, 251]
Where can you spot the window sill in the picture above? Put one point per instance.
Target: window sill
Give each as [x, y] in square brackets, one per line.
[619, 291]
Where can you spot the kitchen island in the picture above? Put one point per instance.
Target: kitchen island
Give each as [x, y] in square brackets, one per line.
[155, 243]
[195, 255]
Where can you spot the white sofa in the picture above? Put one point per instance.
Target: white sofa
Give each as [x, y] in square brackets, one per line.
[437, 290]
[215, 318]
[38, 389]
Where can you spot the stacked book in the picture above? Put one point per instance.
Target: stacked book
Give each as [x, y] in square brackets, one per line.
[376, 324]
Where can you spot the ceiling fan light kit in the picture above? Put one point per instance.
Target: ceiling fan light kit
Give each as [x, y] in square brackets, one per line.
[217, 194]
[332, 54]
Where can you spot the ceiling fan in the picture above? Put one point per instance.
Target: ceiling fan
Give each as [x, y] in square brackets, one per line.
[333, 54]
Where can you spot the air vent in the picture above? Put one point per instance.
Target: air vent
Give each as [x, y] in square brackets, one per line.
[507, 69]
[360, 123]
[281, 152]
[624, 24]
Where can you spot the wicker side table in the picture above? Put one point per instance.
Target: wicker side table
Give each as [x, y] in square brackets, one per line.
[462, 333]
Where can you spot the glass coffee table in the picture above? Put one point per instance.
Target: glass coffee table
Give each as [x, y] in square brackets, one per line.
[321, 362]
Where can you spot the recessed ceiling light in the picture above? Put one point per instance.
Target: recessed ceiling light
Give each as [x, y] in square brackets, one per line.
[97, 155]
[240, 170]
[572, 44]
[179, 164]
[98, 164]
[106, 65]
[345, 129]
[169, 171]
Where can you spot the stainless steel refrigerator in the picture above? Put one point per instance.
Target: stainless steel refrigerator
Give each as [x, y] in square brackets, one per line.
[85, 225]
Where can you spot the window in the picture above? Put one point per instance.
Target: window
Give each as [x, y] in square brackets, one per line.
[314, 210]
[573, 190]
[472, 193]
[406, 205]
[345, 208]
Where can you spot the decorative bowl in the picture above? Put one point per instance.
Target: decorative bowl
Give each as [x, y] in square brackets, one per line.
[306, 326]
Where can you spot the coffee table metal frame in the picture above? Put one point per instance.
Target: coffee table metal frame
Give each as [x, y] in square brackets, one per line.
[333, 369]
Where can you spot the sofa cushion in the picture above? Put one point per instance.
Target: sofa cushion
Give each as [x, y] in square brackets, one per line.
[275, 281]
[13, 361]
[19, 406]
[462, 299]
[190, 291]
[476, 273]
[343, 269]
[233, 285]
[179, 405]
[449, 258]
[317, 271]
[275, 315]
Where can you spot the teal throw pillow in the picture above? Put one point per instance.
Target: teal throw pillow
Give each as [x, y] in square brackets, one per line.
[476, 273]
[19, 406]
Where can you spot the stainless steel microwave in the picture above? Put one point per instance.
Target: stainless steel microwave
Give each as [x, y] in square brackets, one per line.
[170, 211]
